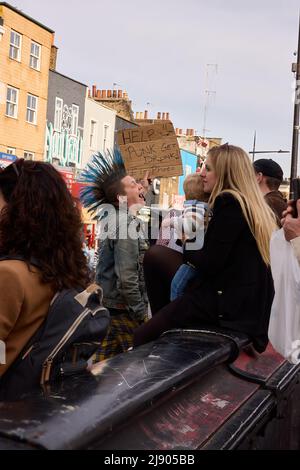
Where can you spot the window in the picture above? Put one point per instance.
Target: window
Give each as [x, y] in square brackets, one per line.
[58, 114]
[28, 155]
[31, 114]
[75, 117]
[105, 136]
[35, 56]
[11, 151]
[93, 135]
[15, 46]
[12, 98]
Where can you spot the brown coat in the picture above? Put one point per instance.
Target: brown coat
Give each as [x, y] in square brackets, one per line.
[24, 303]
[277, 203]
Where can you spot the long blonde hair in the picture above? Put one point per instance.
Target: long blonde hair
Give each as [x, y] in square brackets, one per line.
[235, 175]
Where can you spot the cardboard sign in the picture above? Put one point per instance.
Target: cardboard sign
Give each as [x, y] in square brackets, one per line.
[151, 148]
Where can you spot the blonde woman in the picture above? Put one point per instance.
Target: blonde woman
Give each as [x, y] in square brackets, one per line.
[234, 286]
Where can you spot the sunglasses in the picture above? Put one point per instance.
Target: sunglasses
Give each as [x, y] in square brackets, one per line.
[225, 146]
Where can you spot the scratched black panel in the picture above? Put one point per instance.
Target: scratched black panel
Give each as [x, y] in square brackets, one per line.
[187, 419]
[82, 409]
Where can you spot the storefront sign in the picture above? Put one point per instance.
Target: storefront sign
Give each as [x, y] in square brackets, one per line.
[6, 159]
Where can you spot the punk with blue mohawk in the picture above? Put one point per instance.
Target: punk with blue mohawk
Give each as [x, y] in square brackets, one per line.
[103, 175]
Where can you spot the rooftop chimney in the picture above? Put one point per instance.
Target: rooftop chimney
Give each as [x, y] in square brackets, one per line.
[94, 91]
[120, 94]
[146, 115]
[53, 58]
[104, 94]
[158, 115]
[108, 93]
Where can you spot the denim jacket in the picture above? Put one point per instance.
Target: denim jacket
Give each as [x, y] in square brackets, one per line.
[120, 267]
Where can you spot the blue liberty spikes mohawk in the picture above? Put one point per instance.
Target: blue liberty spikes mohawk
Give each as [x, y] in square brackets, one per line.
[101, 173]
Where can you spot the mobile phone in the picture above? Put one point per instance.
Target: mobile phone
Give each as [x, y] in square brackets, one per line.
[295, 195]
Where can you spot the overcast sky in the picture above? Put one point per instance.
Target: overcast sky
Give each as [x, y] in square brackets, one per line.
[158, 51]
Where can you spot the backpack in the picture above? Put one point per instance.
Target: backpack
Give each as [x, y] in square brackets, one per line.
[75, 325]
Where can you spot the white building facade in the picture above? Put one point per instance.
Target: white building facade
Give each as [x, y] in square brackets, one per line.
[99, 129]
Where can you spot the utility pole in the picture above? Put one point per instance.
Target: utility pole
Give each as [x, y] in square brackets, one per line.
[296, 70]
[207, 97]
[254, 146]
[256, 152]
[211, 69]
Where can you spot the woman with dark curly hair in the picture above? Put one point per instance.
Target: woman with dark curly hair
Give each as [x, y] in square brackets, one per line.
[40, 223]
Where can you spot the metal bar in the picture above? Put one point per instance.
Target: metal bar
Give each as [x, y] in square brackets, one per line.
[270, 151]
[294, 162]
[254, 147]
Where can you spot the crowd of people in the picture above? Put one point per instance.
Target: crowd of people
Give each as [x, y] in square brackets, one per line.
[210, 266]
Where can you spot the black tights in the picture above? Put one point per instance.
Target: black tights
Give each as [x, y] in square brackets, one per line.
[188, 311]
[160, 266]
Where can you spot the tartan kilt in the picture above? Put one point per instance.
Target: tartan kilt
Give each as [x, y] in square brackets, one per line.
[118, 339]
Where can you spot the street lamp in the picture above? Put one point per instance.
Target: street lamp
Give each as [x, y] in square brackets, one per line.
[253, 153]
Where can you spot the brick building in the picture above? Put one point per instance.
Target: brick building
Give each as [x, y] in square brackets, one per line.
[26, 52]
[114, 99]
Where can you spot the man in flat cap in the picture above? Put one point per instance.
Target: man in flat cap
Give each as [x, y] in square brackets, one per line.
[269, 176]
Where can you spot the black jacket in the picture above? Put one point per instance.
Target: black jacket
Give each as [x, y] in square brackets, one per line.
[234, 288]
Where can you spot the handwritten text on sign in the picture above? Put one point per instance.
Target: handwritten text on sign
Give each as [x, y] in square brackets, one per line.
[151, 148]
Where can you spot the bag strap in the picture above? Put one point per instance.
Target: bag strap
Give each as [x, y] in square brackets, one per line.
[83, 297]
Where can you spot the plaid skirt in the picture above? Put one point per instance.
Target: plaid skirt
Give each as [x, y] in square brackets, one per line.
[118, 339]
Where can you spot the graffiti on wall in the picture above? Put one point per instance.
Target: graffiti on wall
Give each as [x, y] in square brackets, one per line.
[64, 145]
